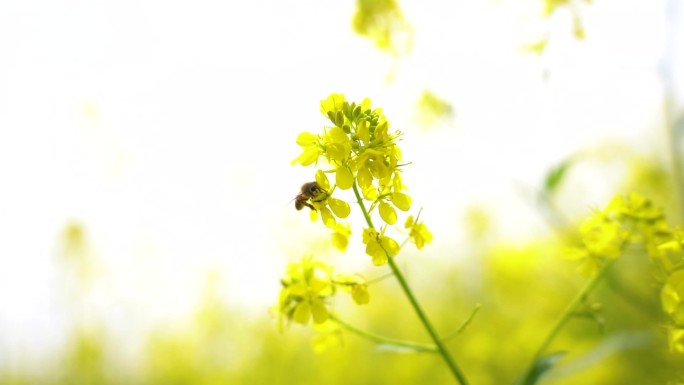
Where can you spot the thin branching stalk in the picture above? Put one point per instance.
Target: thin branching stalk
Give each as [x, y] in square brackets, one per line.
[565, 317]
[674, 117]
[464, 325]
[441, 348]
[415, 346]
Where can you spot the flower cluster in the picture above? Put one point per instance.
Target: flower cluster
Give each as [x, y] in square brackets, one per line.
[418, 232]
[634, 220]
[362, 153]
[307, 288]
[671, 263]
[325, 204]
[625, 220]
[364, 156]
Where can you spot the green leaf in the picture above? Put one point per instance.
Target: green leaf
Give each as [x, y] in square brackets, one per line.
[541, 366]
[356, 112]
[346, 108]
[331, 116]
[339, 121]
[556, 175]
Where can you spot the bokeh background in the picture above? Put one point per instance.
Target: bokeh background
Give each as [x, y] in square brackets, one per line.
[146, 185]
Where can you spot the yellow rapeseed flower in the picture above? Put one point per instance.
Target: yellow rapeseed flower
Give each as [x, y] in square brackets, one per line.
[379, 246]
[356, 285]
[672, 297]
[311, 149]
[418, 232]
[328, 205]
[305, 288]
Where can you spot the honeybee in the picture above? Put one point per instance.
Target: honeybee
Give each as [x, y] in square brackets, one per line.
[310, 192]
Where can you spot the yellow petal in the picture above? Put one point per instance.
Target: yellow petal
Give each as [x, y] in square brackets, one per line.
[328, 218]
[365, 104]
[344, 178]
[337, 135]
[576, 253]
[340, 241]
[298, 289]
[302, 313]
[370, 193]
[333, 102]
[360, 294]
[672, 293]
[340, 208]
[401, 201]
[387, 213]
[307, 157]
[320, 313]
[397, 184]
[676, 340]
[409, 222]
[322, 180]
[306, 139]
[339, 152]
[424, 234]
[319, 282]
[379, 257]
[390, 246]
[364, 177]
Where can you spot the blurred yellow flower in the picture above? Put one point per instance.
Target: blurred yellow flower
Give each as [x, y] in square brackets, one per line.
[340, 236]
[418, 232]
[311, 149]
[672, 297]
[379, 246]
[356, 285]
[676, 340]
[305, 288]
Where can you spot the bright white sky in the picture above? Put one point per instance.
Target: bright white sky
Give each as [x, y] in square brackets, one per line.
[166, 128]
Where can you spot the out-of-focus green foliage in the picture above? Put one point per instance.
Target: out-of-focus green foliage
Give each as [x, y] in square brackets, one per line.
[549, 7]
[382, 21]
[555, 176]
[522, 288]
[76, 251]
[615, 336]
[84, 361]
[432, 109]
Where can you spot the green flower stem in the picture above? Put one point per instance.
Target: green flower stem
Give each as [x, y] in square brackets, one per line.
[378, 279]
[464, 324]
[363, 207]
[441, 348]
[426, 323]
[565, 317]
[385, 340]
[675, 131]
[672, 107]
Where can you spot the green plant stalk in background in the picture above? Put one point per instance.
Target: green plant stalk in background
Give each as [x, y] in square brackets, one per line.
[441, 348]
[532, 374]
[414, 346]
